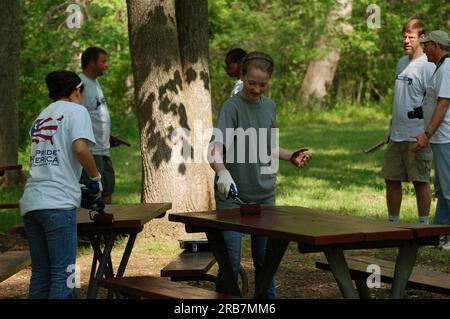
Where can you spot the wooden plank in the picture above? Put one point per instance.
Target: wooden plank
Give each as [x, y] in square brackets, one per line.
[373, 230]
[152, 287]
[12, 262]
[141, 213]
[189, 264]
[9, 205]
[296, 224]
[125, 217]
[9, 168]
[421, 230]
[423, 279]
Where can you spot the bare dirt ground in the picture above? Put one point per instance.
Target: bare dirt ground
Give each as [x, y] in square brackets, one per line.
[296, 277]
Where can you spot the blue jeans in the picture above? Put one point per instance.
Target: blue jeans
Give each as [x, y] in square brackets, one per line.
[234, 244]
[52, 236]
[441, 153]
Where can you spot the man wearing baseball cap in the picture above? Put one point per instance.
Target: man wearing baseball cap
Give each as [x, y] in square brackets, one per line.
[437, 123]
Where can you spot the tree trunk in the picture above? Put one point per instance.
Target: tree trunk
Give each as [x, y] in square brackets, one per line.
[9, 86]
[192, 22]
[171, 81]
[320, 73]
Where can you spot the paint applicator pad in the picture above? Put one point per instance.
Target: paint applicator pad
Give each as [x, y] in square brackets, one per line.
[250, 209]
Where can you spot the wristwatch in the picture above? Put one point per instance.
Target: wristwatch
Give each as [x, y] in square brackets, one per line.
[428, 134]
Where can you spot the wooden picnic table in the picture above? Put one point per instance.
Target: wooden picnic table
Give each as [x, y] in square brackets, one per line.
[129, 220]
[315, 231]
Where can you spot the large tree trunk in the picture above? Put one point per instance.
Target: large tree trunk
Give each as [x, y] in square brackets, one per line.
[171, 92]
[320, 73]
[9, 85]
[192, 23]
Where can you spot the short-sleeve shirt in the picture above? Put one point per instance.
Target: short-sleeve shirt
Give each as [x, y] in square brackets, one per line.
[238, 86]
[249, 162]
[54, 170]
[439, 87]
[95, 103]
[412, 78]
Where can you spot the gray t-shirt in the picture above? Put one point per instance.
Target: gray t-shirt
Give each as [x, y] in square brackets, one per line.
[94, 101]
[412, 78]
[247, 150]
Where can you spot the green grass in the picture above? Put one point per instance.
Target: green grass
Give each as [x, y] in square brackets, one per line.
[339, 178]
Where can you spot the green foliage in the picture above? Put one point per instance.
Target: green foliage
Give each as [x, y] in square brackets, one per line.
[287, 30]
[48, 44]
[369, 56]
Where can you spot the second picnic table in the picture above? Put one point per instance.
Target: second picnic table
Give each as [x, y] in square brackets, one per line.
[315, 231]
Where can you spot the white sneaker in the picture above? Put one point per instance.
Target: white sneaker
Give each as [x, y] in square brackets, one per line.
[443, 242]
[446, 246]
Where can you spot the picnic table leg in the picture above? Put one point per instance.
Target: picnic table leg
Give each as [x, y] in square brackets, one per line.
[126, 254]
[93, 287]
[341, 273]
[110, 272]
[95, 243]
[124, 262]
[219, 248]
[403, 268]
[275, 250]
[363, 290]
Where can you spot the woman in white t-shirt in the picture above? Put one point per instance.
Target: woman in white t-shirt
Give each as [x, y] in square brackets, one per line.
[59, 150]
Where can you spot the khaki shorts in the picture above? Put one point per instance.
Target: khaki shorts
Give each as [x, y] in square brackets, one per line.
[104, 166]
[401, 164]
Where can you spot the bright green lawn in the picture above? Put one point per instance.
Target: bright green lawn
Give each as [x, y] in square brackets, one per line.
[340, 176]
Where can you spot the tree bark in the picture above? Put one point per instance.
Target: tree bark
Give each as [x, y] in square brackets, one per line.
[171, 82]
[320, 73]
[193, 39]
[9, 86]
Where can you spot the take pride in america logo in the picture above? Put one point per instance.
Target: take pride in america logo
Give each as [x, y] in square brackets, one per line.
[44, 129]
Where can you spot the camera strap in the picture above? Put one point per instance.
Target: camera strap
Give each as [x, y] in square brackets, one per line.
[438, 65]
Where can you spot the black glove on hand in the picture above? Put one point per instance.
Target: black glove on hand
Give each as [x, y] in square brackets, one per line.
[91, 197]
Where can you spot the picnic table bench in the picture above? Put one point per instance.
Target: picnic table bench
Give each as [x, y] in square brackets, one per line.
[13, 261]
[154, 287]
[421, 278]
[194, 262]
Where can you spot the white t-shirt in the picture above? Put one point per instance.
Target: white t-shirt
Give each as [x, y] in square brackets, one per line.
[412, 78]
[439, 86]
[94, 101]
[54, 170]
[237, 87]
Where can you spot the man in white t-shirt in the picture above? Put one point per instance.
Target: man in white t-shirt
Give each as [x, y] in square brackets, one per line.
[94, 62]
[437, 121]
[233, 61]
[400, 164]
